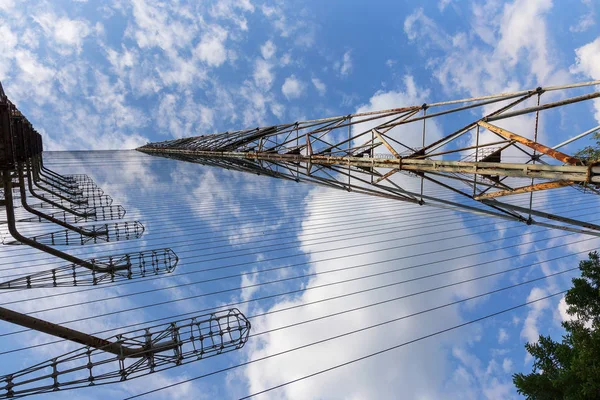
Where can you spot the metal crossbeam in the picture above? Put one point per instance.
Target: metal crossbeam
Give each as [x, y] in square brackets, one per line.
[127, 355]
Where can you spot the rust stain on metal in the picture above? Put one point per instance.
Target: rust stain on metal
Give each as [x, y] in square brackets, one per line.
[531, 144]
[386, 175]
[385, 143]
[526, 189]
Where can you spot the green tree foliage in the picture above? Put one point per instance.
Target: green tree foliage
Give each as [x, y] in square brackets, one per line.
[570, 369]
[591, 153]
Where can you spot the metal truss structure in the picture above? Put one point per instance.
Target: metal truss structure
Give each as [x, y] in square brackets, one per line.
[67, 201]
[106, 270]
[133, 354]
[373, 152]
[70, 200]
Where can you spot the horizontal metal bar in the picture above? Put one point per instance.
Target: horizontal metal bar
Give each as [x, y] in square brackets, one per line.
[547, 106]
[525, 189]
[558, 172]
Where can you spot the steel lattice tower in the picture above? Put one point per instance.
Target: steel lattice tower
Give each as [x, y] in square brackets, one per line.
[370, 152]
[65, 201]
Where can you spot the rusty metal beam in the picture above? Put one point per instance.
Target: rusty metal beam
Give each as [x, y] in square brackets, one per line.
[576, 173]
[386, 175]
[385, 143]
[64, 333]
[525, 189]
[531, 144]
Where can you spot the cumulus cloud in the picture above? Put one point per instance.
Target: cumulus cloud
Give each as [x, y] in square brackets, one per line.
[154, 25]
[530, 331]
[344, 67]
[507, 365]
[233, 10]
[292, 88]
[211, 48]
[183, 116]
[588, 59]
[320, 86]
[502, 336]
[34, 77]
[520, 39]
[588, 63]
[263, 74]
[6, 5]
[523, 33]
[67, 33]
[268, 49]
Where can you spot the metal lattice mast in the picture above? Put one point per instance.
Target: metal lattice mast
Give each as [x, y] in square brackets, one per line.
[69, 200]
[474, 176]
[66, 201]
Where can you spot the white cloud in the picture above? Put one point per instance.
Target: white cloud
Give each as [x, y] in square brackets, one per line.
[320, 86]
[562, 309]
[565, 316]
[268, 49]
[502, 336]
[530, 331]
[233, 10]
[122, 61]
[344, 67]
[34, 78]
[182, 115]
[292, 88]
[588, 59]
[277, 109]
[7, 46]
[257, 101]
[211, 48]
[302, 30]
[263, 74]
[587, 20]
[516, 39]
[155, 26]
[268, 10]
[285, 59]
[523, 34]
[472, 380]
[442, 4]
[180, 71]
[418, 24]
[507, 365]
[67, 33]
[7, 5]
[588, 63]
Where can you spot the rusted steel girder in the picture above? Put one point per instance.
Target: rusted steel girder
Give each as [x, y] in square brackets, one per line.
[586, 174]
[531, 144]
[525, 189]
[40, 325]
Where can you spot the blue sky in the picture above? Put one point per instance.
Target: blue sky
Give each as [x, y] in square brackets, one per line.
[94, 75]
